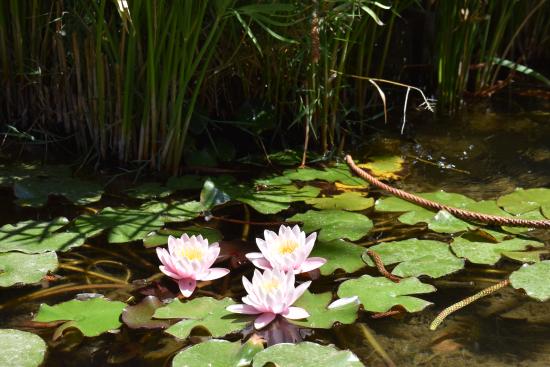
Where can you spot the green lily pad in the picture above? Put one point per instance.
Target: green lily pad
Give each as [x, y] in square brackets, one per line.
[92, 317]
[337, 173]
[34, 237]
[21, 349]
[176, 211]
[489, 253]
[160, 237]
[417, 257]
[351, 201]
[218, 353]
[532, 215]
[187, 182]
[546, 211]
[522, 201]
[306, 354]
[320, 317]
[379, 294]
[140, 315]
[124, 225]
[287, 157]
[204, 312]
[334, 224]
[385, 167]
[17, 268]
[445, 222]
[533, 279]
[149, 190]
[339, 254]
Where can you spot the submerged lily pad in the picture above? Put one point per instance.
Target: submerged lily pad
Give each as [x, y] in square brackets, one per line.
[204, 312]
[124, 225]
[385, 167]
[35, 237]
[351, 201]
[339, 254]
[320, 317]
[149, 190]
[160, 237]
[21, 349]
[17, 268]
[379, 294]
[489, 253]
[139, 316]
[533, 279]
[334, 224]
[522, 201]
[218, 353]
[417, 257]
[306, 354]
[92, 317]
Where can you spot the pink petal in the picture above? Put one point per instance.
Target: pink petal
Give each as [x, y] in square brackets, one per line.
[169, 272]
[310, 264]
[263, 320]
[343, 302]
[258, 260]
[214, 273]
[299, 291]
[245, 309]
[187, 286]
[295, 313]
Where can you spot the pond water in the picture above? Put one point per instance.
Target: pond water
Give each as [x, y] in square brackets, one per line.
[482, 154]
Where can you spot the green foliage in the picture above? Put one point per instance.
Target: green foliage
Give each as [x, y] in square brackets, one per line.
[339, 254]
[523, 201]
[352, 201]
[18, 269]
[175, 211]
[334, 224]
[533, 279]
[21, 349]
[160, 237]
[384, 167]
[218, 353]
[320, 316]
[337, 173]
[149, 190]
[479, 252]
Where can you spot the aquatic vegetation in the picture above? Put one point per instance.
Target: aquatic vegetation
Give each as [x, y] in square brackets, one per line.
[21, 349]
[18, 268]
[271, 293]
[288, 251]
[189, 259]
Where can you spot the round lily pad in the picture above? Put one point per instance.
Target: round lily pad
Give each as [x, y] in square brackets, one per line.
[334, 224]
[351, 201]
[533, 279]
[384, 167]
[21, 349]
[320, 317]
[160, 237]
[339, 254]
[523, 201]
[149, 190]
[218, 353]
[489, 253]
[17, 268]
[337, 173]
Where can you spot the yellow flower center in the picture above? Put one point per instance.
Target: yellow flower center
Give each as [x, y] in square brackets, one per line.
[287, 247]
[192, 253]
[270, 285]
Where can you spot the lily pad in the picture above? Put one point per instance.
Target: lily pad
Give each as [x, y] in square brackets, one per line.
[287, 157]
[385, 167]
[490, 253]
[160, 237]
[204, 312]
[334, 224]
[320, 316]
[522, 201]
[306, 354]
[176, 211]
[21, 349]
[17, 268]
[351, 201]
[124, 225]
[533, 279]
[139, 316]
[35, 237]
[92, 317]
[149, 190]
[337, 173]
[218, 353]
[339, 254]
[379, 294]
[417, 257]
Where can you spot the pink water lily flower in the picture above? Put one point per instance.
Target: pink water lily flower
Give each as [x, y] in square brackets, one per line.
[288, 251]
[270, 294]
[189, 259]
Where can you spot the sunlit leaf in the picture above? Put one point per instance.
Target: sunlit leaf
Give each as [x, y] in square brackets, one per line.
[334, 224]
[175, 211]
[21, 349]
[218, 353]
[385, 167]
[523, 201]
[489, 253]
[533, 279]
[160, 237]
[339, 254]
[337, 173]
[320, 316]
[149, 190]
[17, 268]
[351, 201]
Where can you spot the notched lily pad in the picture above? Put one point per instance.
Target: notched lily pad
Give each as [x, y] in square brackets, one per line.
[417, 257]
[351, 201]
[337, 173]
[339, 254]
[488, 253]
[17, 268]
[219, 353]
[385, 167]
[533, 279]
[140, 315]
[306, 354]
[175, 211]
[160, 237]
[334, 224]
[379, 294]
[21, 349]
[92, 317]
[204, 312]
[320, 316]
[522, 201]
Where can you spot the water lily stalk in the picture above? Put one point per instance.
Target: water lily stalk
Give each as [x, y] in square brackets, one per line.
[465, 302]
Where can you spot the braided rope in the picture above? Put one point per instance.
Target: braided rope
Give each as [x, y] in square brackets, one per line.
[459, 213]
[381, 268]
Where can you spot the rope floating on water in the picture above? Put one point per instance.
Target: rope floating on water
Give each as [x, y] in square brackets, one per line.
[381, 268]
[459, 213]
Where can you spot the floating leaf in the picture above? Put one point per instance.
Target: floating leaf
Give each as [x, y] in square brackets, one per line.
[445, 222]
[417, 257]
[339, 254]
[35, 237]
[351, 201]
[320, 317]
[17, 268]
[489, 253]
[532, 215]
[218, 353]
[286, 157]
[337, 173]
[204, 312]
[160, 237]
[124, 225]
[92, 317]
[139, 316]
[176, 211]
[21, 349]
[533, 279]
[385, 167]
[522, 201]
[149, 190]
[334, 224]
[306, 354]
[379, 294]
